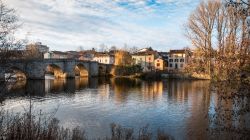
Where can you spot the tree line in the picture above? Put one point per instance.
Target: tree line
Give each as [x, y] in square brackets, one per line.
[218, 30]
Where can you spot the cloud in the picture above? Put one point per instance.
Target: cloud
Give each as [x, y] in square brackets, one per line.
[67, 24]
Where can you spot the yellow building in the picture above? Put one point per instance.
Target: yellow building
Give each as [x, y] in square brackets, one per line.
[159, 64]
[145, 58]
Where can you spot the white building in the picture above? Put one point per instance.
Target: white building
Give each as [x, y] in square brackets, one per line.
[55, 55]
[104, 58]
[177, 59]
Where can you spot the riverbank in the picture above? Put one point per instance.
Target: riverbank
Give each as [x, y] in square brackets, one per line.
[161, 75]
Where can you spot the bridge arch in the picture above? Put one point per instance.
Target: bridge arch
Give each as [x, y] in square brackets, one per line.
[54, 70]
[81, 70]
[15, 73]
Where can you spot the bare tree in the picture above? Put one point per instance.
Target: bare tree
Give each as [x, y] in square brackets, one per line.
[200, 29]
[123, 58]
[133, 49]
[8, 25]
[80, 48]
[103, 48]
[218, 31]
[32, 52]
[113, 48]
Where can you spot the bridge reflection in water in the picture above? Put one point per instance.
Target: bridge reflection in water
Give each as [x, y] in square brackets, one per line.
[177, 106]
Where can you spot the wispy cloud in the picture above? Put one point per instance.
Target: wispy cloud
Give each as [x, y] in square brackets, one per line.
[67, 24]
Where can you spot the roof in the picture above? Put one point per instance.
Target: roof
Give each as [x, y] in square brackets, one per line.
[145, 49]
[177, 51]
[145, 53]
[88, 51]
[102, 54]
[72, 52]
[58, 52]
[163, 52]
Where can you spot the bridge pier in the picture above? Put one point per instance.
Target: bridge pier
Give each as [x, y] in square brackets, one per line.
[2, 77]
[68, 69]
[93, 69]
[70, 74]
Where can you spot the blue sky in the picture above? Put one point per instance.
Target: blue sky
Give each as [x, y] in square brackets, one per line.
[67, 24]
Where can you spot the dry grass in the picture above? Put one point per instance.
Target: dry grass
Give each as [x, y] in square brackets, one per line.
[43, 127]
[30, 127]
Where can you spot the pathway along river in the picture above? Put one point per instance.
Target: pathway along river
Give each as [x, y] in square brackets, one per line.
[177, 106]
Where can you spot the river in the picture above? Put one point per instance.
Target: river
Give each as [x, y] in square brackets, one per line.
[178, 107]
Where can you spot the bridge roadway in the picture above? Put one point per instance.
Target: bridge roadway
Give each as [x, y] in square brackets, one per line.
[37, 68]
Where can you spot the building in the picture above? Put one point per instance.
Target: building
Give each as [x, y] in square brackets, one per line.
[177, 59]
[72, 54]
[87, 55]
[145, 58]
[55, 55]
[159, 64]
[164, 56]
[104, 58]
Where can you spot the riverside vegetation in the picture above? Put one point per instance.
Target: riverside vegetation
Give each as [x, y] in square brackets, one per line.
[31, 126]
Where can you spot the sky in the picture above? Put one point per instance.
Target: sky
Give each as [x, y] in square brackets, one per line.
[68, 24]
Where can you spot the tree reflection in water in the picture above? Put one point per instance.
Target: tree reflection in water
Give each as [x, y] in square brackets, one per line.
[180, 107]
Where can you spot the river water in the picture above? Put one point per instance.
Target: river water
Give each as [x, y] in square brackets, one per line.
[178, 107]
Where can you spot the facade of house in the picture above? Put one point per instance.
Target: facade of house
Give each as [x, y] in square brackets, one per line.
[159, 64]
[177, 59]
[87, 55]
[104, 58]
[55, 55]
[145, 58]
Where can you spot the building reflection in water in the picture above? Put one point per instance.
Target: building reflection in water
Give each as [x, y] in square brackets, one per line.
[180, 103]
[123, 87]
[152, 90]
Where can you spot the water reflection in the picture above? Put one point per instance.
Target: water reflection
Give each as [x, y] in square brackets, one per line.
[177, 106]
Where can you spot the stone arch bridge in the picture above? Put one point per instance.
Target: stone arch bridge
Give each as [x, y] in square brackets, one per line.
[60, 68]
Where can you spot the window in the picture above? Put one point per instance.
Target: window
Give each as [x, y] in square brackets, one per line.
[106, 60]
[140, 59]
[149, 59]
[181, 60]
[170, 60]
[158, 60]
[158, 64]
[170, 65]
[176, 60]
